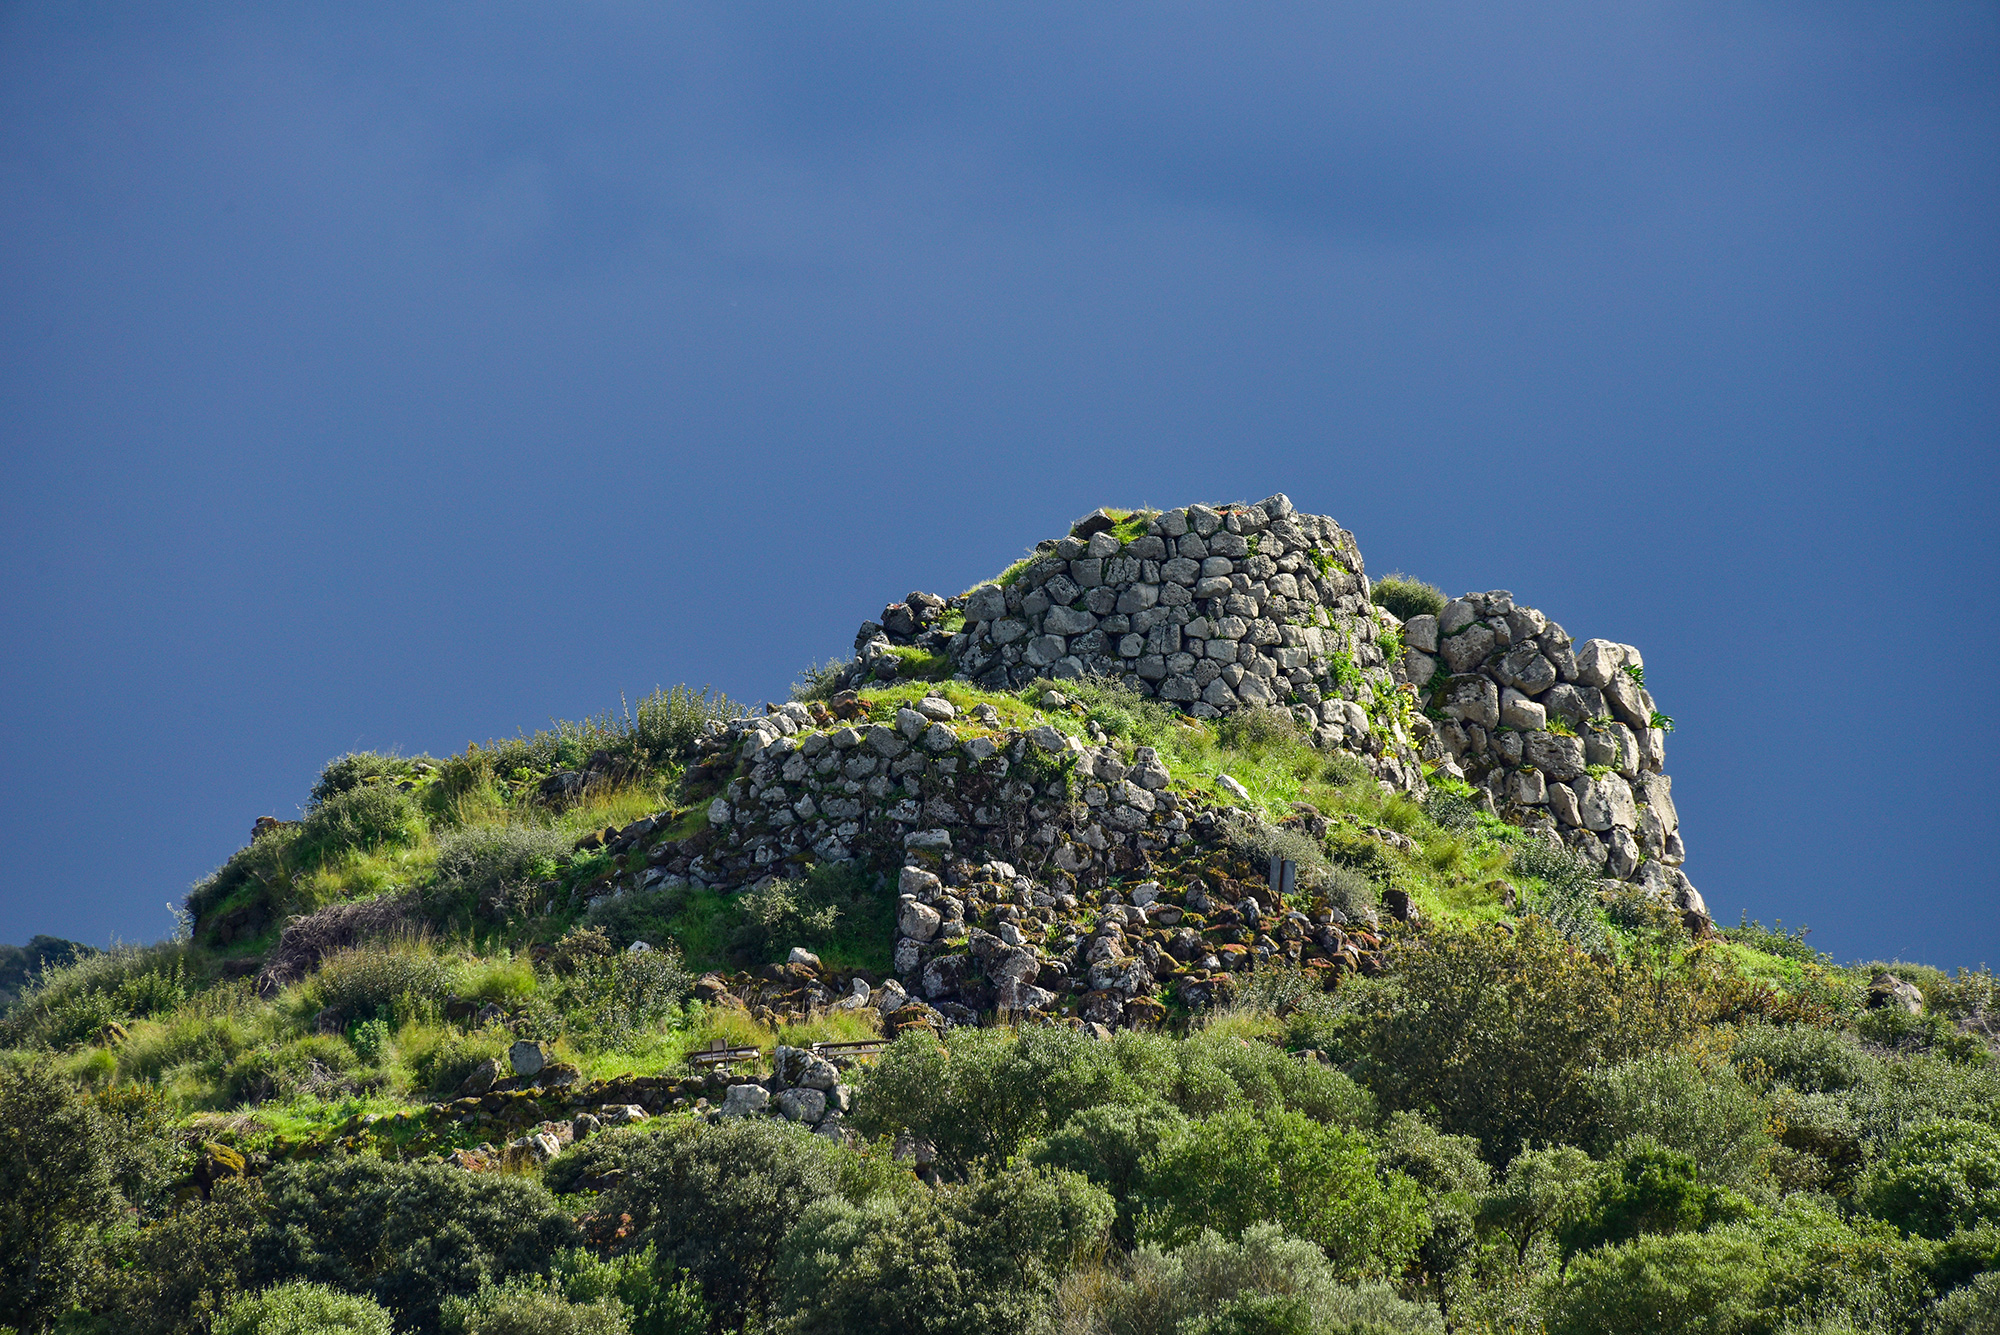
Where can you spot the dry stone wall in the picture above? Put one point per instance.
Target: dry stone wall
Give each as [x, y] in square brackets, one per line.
[1212, 609]
[1559, 736]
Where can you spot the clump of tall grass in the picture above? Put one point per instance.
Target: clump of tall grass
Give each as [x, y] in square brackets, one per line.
[379, 978]
[1405, 596]
[71, 1004]
[478, 865]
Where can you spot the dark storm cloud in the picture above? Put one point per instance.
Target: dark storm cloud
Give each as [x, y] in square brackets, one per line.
[404, 375]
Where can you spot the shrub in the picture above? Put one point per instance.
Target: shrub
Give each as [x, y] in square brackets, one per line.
[1496, 1034]
[371, 980]
[410, 1234]
[667, 722]
[977, 1258]
[1109, 1145]
[1405, 596]
[441, 1059]
[603, 999]
[820, 681]
[317, 1065]
[528, 1307]
[477, 865]
[885, 1265]
[1567, 899]
[1259, 731]
[259, 871]
[1971, 1309]
[1318, 1182]
[356, 819]
[717, 1202]
[990, 1090]
[55, 1176]
[1646, 1188]
[1264, 1281]
[179, 1273]
[1942, 1176]
[309, 939]
[651, 1306]
[1249, 836]
[354, 770]
[303, 1309]
[1702, 1110]
[1685, 1284]
[70, 1004]
[1808, 1058]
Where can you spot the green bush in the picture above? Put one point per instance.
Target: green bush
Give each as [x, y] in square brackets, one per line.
[991, 1090]
[981, 1258]
[358, 819]
[314, 1065]
[531, 1307]
[653, 1306]
[1321, 1183]
[409, 1234]
[303, 1309]
[1808, 1058]
[602, 1000]
[1567, 895]
[1264, 1281]
[357, 769]
[1405, 596]
[478, 864]
[1971, 1309]
[820, 681]
[71, 1004]
[1646, 1188]
[716, 1203]
[1680, 1284]
[179, 1273]
[1497, 1035]
[1940, 1177]
[1701, 1110]
[372, 979]
[1109, 1145]
[440, 1063]
[666, 723]
[56, 1180]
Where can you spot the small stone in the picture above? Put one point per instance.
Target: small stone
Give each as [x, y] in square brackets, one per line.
[526, 1058]
[1232, 787]
[800, 955]
[917, 921]
[1520, 713]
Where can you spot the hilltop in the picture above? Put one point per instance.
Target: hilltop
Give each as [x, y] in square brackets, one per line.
[1179, 837]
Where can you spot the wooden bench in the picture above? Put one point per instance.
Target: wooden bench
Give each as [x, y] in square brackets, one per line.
[720, 1054]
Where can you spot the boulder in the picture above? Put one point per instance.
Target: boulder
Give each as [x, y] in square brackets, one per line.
[526, 1058]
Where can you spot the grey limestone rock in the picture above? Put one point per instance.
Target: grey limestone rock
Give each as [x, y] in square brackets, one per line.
[1421, 632]
[1555, 755]
[1473, 699]
[1468, 648]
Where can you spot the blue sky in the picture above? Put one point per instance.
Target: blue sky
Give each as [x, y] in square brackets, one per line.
[380, 378]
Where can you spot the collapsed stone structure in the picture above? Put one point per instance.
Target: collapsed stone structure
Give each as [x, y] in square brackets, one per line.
[1561, 737]
[1037, 871]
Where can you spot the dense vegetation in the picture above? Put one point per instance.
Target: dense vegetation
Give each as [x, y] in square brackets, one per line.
[1546, 1113]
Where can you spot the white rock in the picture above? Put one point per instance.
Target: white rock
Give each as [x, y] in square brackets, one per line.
[742, 1100]
[1233, 788]
[1517, 711]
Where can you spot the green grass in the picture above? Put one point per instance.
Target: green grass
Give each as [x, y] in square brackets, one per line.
[1406, 596]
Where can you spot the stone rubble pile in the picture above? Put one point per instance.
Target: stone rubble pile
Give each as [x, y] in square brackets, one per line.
[1561, 737]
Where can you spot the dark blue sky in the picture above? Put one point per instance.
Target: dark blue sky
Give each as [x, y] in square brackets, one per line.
[387, 379]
